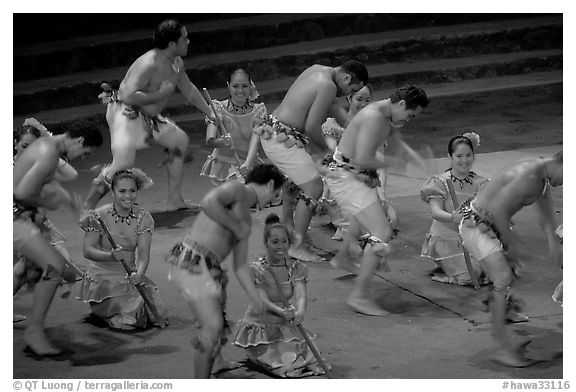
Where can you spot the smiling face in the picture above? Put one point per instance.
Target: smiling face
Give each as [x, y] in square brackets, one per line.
[360, 99]
[124, 191]
[239, 88]
[277, 242]
[462, 159]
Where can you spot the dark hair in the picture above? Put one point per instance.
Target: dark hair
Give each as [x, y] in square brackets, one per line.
[166, 32]
[24, 130]
[412, 95]
[273, 221]
[265, 172]
[356, 69]
[456, 140]
[90, 133]
[140, 178]
[239, 70]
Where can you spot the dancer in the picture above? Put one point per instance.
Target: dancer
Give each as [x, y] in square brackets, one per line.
[297, 120]
[486, 233]
[332, 132]
[223, 226]
[352, 179]
[442, 244]
[271, 339]
[33, 187]
[25, 271]
[239, 114]
[106, 288]
[133, 112]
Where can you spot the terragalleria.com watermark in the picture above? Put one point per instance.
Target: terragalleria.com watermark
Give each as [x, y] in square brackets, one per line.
[90, 385]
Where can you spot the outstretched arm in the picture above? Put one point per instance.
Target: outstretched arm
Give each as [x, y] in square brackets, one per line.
[252, 150]
[408, 154]
[193, 95]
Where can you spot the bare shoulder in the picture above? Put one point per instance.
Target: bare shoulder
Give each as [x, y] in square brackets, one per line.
[148, 58]
[44, 150]
[145, 62]
[233, 189]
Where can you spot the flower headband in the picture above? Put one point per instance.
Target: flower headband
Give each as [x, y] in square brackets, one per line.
[254, 94]
[36, 124]
[474, 138]
[141, 179]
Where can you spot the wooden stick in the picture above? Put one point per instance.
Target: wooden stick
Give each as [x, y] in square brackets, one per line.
[303, 331]
[220, 125]
[466, 254]
[151, 308]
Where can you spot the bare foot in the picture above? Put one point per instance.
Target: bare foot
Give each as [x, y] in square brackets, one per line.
[221, 364]
[116, 322]
[38, 342]
[509, 358]
[345, 264]
[516, 317]
[182, 205]
[366, 306]
[305, 255]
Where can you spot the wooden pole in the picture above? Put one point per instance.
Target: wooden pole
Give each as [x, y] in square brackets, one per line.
[151, 308]
[220, 125]
[303, 331]
[466, 254]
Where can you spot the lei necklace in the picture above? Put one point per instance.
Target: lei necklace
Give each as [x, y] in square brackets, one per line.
[124, 219]
[240, 108]
[468, 179]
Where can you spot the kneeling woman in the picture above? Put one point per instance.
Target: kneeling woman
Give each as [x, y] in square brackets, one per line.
[271, 339]
[110, 293]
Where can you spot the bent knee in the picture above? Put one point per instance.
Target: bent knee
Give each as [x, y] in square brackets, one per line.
[502, 279]
[208, 340]
[54, 270]
[317, 187]
[180, 142]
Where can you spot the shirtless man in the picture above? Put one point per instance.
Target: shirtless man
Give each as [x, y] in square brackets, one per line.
[133, 112]
[297, 120]
[486, 233]
[223, 226]
[352, 179]
[33, 187]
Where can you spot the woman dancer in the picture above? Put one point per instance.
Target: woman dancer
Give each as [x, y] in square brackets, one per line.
[236, 151]
[442, 244]
[111, 295]
[271, 339]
